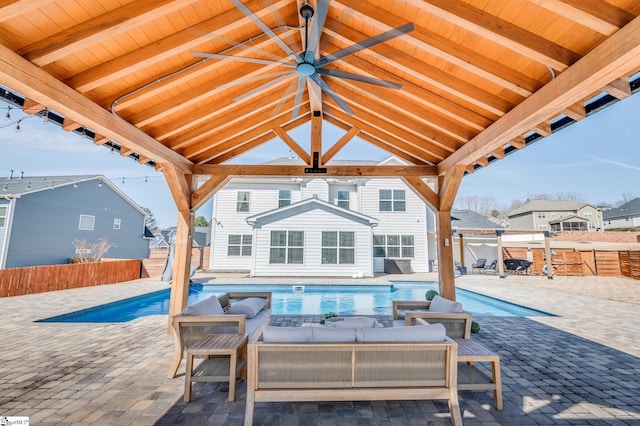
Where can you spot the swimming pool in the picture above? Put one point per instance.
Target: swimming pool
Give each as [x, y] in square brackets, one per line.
[300, 300]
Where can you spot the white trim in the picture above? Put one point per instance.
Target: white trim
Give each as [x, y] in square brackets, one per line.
[7, 232]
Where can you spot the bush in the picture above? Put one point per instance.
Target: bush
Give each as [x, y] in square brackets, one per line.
[327, 316]
[475, 327]
[431, 294]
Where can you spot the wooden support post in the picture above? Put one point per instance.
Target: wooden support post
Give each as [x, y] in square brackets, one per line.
[445, 256]
[547, 255]
[461, 240]
[500, 255]
[182, 187]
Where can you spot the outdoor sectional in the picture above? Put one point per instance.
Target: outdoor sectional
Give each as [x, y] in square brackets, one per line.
[352, 364]
[233, 312]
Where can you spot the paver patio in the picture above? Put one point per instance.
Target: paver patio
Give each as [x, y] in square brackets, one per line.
[579, 367]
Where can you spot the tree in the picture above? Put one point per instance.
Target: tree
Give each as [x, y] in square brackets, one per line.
[201, 221]
[87, 252]
[150, 222]
[475, 203]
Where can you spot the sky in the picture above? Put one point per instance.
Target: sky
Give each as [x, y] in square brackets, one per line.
[598, 158]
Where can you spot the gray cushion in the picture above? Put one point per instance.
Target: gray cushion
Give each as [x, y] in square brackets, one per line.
[249, 306]
[417, 333]
[251, 325]
[332, 334]
[209, 306]
[286, 334]
[440, 304]
[352, 322]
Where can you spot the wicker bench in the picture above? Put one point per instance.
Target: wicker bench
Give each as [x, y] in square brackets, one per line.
[352, 371]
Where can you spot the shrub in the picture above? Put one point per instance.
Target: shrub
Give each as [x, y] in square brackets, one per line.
[327, 316]
[475, 327]
[431, 294]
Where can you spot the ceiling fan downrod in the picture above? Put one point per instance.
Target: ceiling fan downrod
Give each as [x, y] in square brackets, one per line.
[306, 11]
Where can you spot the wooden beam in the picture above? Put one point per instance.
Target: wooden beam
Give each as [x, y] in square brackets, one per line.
[300, 152]
[36, 84]
[98, 28]
[448, 186]
[31, 107]
[576, 111]
[100, 140]
[518, 142]
[180, 187]
[619, 88]
[543, 129]
[340, 143]
[501, 32]
[617, 56]
[422, 190]
[316, 135]
[207, 190]
[247, 170]
[483, 161]
[498, 153]
[69, 125]
[600, 16]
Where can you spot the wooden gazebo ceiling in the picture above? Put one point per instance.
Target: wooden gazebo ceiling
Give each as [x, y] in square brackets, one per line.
[479, 78]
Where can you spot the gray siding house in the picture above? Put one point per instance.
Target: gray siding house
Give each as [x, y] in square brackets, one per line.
[41, 217]
[556, 216]
[626, 216]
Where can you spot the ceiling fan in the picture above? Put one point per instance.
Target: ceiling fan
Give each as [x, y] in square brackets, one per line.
[308, 65]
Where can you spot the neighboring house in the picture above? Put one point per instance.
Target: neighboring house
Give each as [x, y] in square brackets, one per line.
[42, 217]
[556, 216]
[626, 216]
[158, 242]
[474, 237]
[317, 226]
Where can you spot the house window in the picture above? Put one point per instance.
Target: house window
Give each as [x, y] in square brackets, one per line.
[284, 197]
[338, 247]
[542, 227]
[392, 200]
[287, 247]
[541, 215]
[3, 216]
[242, 204]
[393, 246]
[116, 223]
[588, 214]
[239, 245]
[86, 222]
[343, 199]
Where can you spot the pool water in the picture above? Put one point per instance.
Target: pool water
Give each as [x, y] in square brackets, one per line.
[300, 300]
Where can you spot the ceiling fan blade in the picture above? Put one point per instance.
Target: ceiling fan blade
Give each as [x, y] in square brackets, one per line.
[333, 95]
[249, 14]
[233, 44]
[296, 103]
[290, 88]
[242, 59]
[252, 78]
[365, 44]
[264, 86]
[322, 8]
[356, 77]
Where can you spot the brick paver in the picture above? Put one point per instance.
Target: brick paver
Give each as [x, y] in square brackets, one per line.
[578, 367]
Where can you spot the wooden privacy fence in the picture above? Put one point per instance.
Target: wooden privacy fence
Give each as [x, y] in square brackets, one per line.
[38, 279]
[573, 262]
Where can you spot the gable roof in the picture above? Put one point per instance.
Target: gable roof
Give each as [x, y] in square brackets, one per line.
[309, 204]
[460, 83]
[467, 219]
[630, 208]
[547, 206]
[17, 187]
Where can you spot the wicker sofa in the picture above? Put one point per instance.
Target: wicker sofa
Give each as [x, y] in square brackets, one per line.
[352, 364]
[210, 316]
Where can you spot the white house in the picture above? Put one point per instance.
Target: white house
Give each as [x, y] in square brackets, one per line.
[317, 226]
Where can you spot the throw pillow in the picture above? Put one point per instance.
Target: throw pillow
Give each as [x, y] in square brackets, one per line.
[416, 333]
[440, 304]
[286, 334]
[209, 306]
[249, 306]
